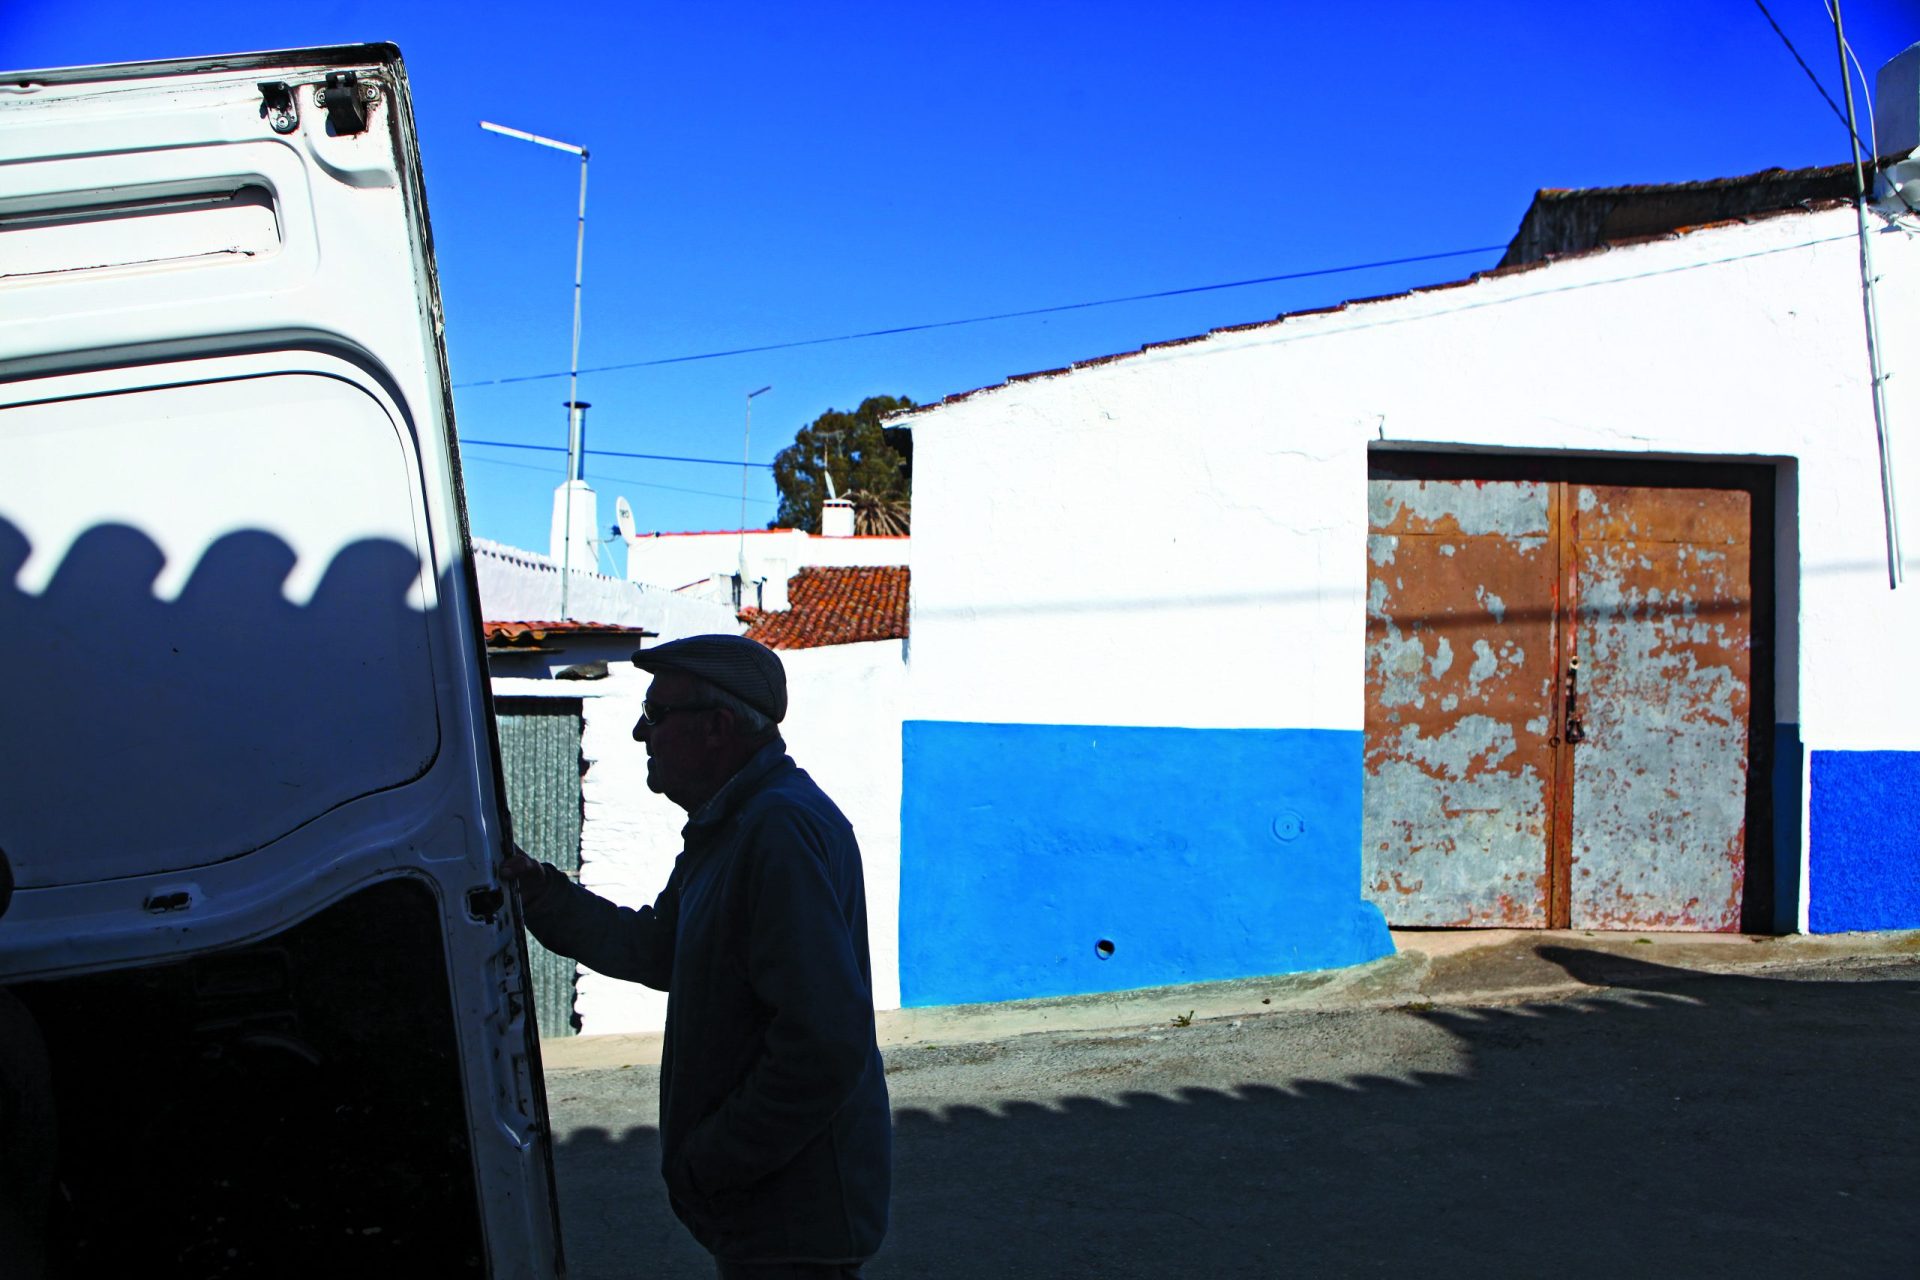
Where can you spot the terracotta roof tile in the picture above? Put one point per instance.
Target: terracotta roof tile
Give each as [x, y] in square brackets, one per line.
[837, 606]
[501, 634]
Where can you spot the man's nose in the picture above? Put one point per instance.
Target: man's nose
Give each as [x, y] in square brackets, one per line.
[640, 729]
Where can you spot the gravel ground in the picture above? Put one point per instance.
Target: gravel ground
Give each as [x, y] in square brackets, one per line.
[1664, 1123]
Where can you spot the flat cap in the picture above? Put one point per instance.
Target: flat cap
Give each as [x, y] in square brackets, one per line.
[744, 668]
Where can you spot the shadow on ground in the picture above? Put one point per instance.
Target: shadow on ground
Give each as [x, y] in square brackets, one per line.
[1668, 1124]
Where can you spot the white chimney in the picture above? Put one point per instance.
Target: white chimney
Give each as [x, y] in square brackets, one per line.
[576, 512]
[576, 522]
[773, 596]
[836, 518]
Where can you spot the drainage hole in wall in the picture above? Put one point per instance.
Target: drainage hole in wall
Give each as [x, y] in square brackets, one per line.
[1103, 949]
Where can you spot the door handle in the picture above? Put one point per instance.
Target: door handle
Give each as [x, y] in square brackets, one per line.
[1575, 732]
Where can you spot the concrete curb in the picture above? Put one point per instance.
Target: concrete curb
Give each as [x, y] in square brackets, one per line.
[1429, 968]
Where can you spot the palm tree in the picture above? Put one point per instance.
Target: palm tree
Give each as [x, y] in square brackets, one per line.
[875, 515]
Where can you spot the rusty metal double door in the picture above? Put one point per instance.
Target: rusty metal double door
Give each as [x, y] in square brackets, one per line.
[1558, 693]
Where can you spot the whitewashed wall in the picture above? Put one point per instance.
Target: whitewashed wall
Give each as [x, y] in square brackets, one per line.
[680, 560]
[1208, 499]
[843, 727]
[522, 586]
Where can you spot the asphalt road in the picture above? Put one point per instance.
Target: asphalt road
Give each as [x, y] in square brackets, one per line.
[1659, 1124]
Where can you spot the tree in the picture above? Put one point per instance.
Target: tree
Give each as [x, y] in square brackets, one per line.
[870, 464]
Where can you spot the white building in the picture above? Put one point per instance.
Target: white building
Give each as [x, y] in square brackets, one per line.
[1328, 684]
[522, 586]
[708, 565]
[567, 695]
[1661, 449]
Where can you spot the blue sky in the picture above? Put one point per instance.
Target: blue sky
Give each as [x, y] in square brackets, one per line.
[768, 173]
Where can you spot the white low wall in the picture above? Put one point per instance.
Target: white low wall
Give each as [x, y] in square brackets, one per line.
[522, 586]
[843, 727]
[681, 560]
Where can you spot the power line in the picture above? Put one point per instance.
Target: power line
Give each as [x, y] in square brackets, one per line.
[611, 453]
[1831, 105]
[1003, 315]
[1866, 88]
[1847, 51]
[607, 475]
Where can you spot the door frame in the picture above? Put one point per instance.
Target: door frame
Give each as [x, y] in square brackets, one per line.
[1760, 480]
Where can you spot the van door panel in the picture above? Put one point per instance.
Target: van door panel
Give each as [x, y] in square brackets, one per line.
[248, 777]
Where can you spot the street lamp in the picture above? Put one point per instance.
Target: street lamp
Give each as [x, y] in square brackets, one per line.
[576, 443]
[746, 456]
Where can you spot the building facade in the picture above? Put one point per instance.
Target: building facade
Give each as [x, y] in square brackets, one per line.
[1557, 597]
[751, 568]
[567, 695]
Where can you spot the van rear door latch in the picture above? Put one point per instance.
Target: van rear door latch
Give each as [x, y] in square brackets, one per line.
[346, 99]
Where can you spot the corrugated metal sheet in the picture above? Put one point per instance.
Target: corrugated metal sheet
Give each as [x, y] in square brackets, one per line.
[540, 754]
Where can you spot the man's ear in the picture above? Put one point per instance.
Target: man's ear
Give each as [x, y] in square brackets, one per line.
[720, 726]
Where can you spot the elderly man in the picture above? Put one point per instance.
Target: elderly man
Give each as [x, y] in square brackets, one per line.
[775, 1134]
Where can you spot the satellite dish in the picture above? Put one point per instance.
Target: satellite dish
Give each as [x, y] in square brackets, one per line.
[623, 514]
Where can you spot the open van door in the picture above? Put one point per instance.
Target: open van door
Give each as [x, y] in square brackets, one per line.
[249, 791]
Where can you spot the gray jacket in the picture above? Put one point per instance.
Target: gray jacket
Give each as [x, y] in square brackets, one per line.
[775, 1133]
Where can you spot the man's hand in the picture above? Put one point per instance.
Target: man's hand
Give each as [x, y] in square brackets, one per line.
[524, 874]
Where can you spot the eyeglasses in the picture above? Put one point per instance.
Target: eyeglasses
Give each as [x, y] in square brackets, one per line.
[652, 713]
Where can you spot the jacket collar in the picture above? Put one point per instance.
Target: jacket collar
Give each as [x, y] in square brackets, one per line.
[736, 790]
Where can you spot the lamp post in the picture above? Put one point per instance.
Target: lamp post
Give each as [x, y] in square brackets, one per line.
[576, 443]
[746, 459]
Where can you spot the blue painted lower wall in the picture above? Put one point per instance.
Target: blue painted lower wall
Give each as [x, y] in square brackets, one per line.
[1863, 849]
[1193, 854]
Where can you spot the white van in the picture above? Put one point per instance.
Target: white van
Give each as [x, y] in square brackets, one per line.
[267, 1007]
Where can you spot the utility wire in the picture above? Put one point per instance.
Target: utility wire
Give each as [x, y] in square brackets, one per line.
[1833, 106]
[1866, 91]
[610, 453]
[608, 475]
[1839, 115]
[1866, 86]
[1003, 315]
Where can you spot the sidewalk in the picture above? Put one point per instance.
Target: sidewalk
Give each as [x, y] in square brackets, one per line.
[1429, 967]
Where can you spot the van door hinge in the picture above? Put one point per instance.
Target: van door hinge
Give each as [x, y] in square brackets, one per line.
[278, 106]
[345, 99]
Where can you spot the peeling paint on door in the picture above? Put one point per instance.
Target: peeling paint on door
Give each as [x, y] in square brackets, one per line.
[1459, 789]
[1558, 690]
[1660, 781]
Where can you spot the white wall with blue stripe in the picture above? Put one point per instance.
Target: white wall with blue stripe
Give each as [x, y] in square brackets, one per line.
[1133, 747]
